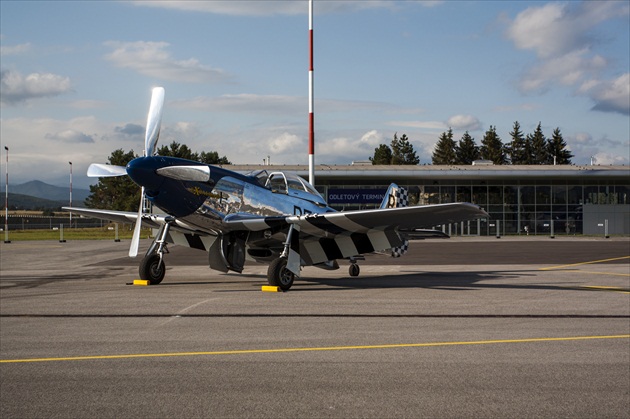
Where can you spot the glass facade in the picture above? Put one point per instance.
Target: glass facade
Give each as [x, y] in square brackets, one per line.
[520, 207]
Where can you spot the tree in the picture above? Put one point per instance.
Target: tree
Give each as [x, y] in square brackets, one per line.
[557, 147]
[492, 148]
[212, 157]
[517, 150]
[176, 149]
[403, 152]
[539, 151]
[466, 151]
[115, 193]
[400, 152]
[382, 155]
[444, 152]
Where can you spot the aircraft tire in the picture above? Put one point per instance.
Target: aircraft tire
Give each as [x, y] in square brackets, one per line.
[354, 269]
[152, 270]
[279, 276]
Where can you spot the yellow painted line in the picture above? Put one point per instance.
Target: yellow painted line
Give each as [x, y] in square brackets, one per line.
[584, 263]
[315, 349]
[604, 273]
[599, 288]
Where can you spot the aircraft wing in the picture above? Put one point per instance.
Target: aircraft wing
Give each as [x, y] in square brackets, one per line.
[339, 235]
[333, 223]
[148, 220]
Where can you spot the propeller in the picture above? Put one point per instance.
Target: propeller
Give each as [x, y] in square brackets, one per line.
[154, 120]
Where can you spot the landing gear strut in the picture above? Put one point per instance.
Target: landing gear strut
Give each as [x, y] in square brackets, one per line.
[152, 267]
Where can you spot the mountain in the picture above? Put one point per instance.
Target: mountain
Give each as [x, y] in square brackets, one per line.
[26, 202]
[39, 189]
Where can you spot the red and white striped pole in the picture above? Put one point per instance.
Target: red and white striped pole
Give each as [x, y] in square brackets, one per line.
[311, 120]
[6, 200]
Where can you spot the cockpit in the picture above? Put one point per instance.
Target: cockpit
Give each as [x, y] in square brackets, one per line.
[288, 183]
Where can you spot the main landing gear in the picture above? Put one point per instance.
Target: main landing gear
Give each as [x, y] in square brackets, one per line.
[152, 267]
[279, 276]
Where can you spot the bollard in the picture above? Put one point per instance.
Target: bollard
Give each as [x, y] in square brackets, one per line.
[606, 229]
[61, 240]
[116, 228]
[498, 229]
[552, 235]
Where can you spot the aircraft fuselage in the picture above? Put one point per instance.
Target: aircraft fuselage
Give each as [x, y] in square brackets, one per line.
[206, 204]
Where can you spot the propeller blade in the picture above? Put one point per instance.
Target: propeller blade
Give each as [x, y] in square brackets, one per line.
[190, 173]
[105, 170]
[135, 240]
[154, 120]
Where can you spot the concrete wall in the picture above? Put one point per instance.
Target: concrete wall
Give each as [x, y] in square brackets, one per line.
[595, 216]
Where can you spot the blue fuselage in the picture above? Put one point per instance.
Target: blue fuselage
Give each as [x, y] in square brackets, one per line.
[206, 204]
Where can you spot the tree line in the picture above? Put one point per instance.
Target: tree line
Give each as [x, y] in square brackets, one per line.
[532, 149]
[121, 194]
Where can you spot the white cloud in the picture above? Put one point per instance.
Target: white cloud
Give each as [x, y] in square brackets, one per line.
[604, 158]
[284, 143]
[70, 136]
[610, 96]
[464, 122]
[563, 35]
[244, 103]
[14, 49]
[558, 28]
[17, 88]
[274, 8]
[429, 125]
[153, 59]
[567, 70]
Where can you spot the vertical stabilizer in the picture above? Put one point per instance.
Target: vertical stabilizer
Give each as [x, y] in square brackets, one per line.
[396, 197]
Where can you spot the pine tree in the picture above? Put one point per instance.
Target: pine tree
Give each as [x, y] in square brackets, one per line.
[557, 147]
[382, 155]
[517, 149]
[403, 152]
[466, 151]
[492, 148]
[539, 151]
[444, 152]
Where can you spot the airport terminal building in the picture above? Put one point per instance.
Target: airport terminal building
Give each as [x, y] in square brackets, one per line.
[540, 199]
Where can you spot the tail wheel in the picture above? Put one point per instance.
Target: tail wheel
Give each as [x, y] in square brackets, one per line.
[354, 269]
[279, 276]
[152, 269]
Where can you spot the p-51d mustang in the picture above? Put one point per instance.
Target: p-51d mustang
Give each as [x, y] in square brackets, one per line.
[276, 218]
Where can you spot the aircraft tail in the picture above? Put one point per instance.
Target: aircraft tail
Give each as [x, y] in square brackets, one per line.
[396, 197]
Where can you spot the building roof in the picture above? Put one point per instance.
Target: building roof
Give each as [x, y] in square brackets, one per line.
[450, 171]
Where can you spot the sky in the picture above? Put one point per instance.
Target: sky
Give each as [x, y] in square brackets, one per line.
[77, 78]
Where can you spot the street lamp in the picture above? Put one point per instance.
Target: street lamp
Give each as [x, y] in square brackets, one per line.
[70, 192]
[6, 200]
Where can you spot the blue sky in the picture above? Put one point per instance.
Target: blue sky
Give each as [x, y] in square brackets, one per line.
[77, 77]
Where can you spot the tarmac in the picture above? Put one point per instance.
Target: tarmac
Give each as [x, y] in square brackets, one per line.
[461, 327]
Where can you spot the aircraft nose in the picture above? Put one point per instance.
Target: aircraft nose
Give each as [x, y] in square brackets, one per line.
[142, 170]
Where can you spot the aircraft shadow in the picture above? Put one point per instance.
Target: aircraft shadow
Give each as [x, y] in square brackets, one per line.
[446, 281]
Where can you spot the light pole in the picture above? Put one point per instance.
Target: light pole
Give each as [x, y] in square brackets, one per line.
[6, 200]
[70, 192]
